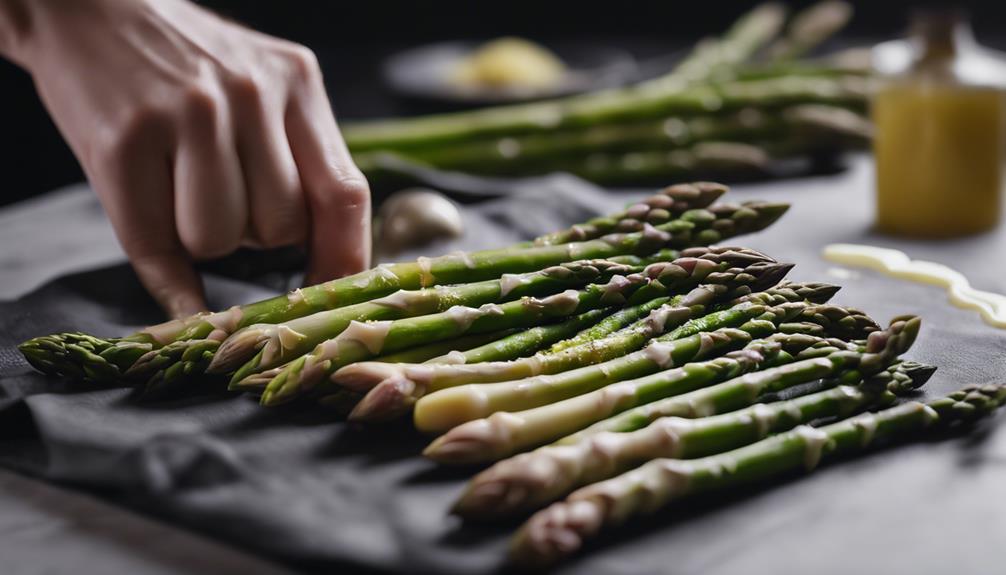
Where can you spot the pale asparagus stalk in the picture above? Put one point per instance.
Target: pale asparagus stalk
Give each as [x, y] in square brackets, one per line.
[505, 433]
[531, 480]
[453, 405]
[561, 529]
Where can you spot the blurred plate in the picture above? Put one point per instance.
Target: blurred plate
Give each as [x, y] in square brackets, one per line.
[424, 73]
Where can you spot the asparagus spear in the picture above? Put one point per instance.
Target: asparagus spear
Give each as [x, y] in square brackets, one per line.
[560, 530]
[712, 56]
[504, 433]
[530, 480]
[263, 346]
[695, 226]
[814, 136]
[444, 351]
[109, 358]
[537, 153]
[642, 261]
[396, 388]
[199, 355]
[512, 346]
[362, 341]
[663, 134]
[525, 341]
[446, 408]
[811, 27]
[743, 390]
[621, 319]
[746, 36]
[540, 153]
[660, 208]
[812, 292]
[365, 376]
[393, 390]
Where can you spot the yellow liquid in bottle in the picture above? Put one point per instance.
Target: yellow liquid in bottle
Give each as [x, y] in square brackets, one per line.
[939, 150]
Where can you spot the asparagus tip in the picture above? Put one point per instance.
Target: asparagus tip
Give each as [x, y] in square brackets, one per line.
[236, 350]
[390, 399]
[37, 356]
[365, 375]
[918, 372]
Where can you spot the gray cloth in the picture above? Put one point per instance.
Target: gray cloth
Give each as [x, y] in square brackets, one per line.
[295, 487]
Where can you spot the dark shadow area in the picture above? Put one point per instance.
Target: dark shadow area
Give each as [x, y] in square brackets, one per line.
[379, 443]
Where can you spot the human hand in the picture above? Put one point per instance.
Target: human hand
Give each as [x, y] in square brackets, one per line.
[197, 134]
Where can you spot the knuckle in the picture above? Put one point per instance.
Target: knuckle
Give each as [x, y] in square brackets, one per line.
[281, 225]
[304, 62]
[276, 236]
[200, 106]
[245, 89]
[202, 243]
[344, 191]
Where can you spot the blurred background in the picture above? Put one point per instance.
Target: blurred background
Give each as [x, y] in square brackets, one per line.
[628, 42]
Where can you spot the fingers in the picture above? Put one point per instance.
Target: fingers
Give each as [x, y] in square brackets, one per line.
[211, 211]
[337, 194]
[278, 214]
[133, 179]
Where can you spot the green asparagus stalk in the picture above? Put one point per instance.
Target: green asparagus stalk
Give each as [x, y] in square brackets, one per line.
[813, 292]
[667, 204]
[634, 104]
[462, 444]
[560, 530]
[514, 345]
[810, 28]
[504, 433]
[744, 390]
[193, 352]
[447, 351]
[714, 56]
[748, 34]
[263, 346]
[694, 227]
[525, 341]
[619, 320]
[664, 255]
[362, 341]
[86, 356]
[393, 390]
[538, 153]
[715, 157]
[660, 208]
[455, 403]
[530, 480]
[541, 153]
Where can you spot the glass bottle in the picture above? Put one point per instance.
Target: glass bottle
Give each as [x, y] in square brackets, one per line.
[940, 116]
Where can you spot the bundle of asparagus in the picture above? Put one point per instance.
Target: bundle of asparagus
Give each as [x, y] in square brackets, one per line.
[579, 275]
[734, 104]
[620, 364]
